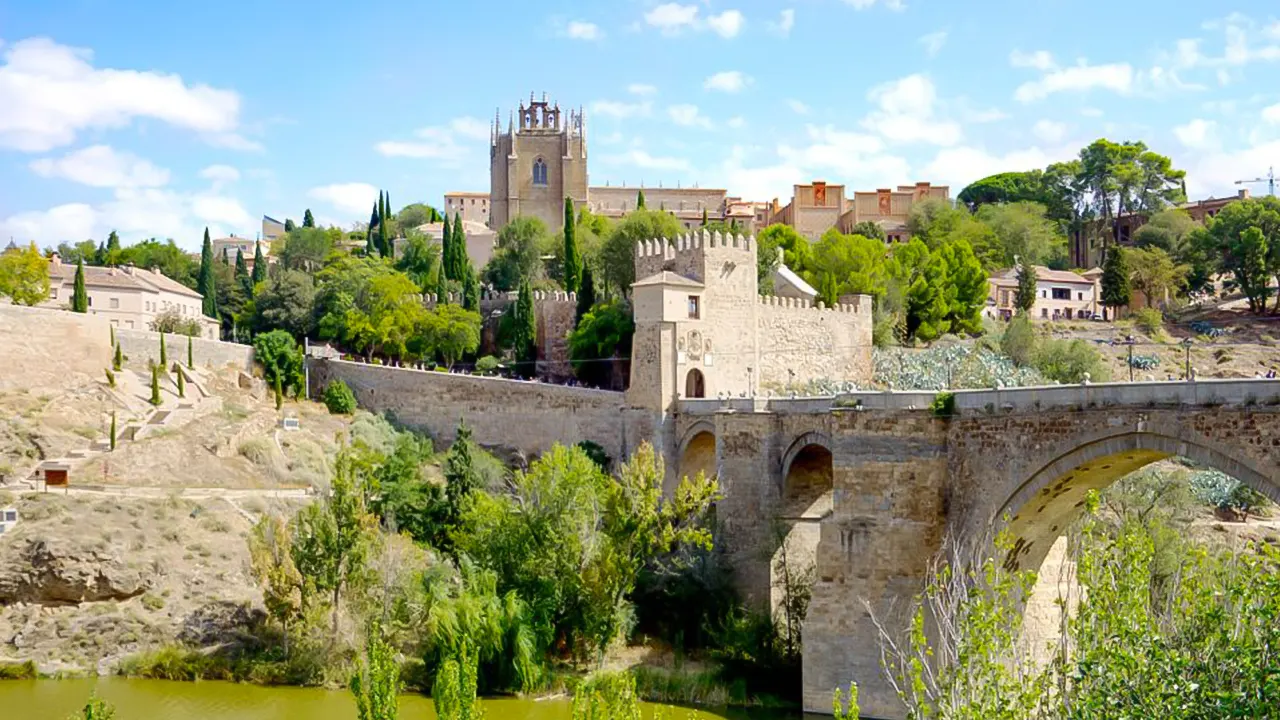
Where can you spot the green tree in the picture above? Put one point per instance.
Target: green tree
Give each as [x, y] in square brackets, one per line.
[206, 286]
[113, 430]
[338, 398]
[271, 560]
[869, 229]
[458, 263]
[1247, 238]
[1011, 187]
[375, 683]
[586, 297]
[1025, 297]
[521, 244]
[24, 276]
[284, 302]
[281, 359]
[419, 261]
[1069, 361]
[1019, 341]
[191, 361]
[617, 262]
[1153, 273]
[259, 265]
[111, 254]
[572, 260]
[454, 691]
[385, 318]
[79, 295]
[847, 264]
[371, 237]
[451, 331]
[704, 217]
[1022, 231]
[1166, 230]
[242, 274]
[1115, 280]
[415, 215]
[117, 362]
[969, 284]
[307, 220]
[1126, 178]
[927, 292]
[524, 331]
[471, 290]
[155, 386]
[289, 225]
[306, 248]
[83, 251]
[640, 200]
[602, 338]
[462, 481]
[446, 244]
[796, 251]
[182, 382]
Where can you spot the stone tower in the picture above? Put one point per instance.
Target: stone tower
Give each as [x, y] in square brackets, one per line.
[536, 163]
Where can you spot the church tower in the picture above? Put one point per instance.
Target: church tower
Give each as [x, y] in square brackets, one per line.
[536, 163]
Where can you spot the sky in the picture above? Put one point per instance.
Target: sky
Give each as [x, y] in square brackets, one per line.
[157, 119]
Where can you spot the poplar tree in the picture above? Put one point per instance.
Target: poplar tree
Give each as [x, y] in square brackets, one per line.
[205, 284]
[308, 221]
[572, 260]
[80, 296]
[242, 273]
[259, 264]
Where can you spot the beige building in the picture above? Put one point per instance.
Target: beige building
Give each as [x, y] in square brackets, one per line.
[536, 164]
[271, 228]
[227, 247]
[128, 297]
[703, 330]
[687, 204]
[819, 206]
[1060, 295]
[481, 240]
[470, 206]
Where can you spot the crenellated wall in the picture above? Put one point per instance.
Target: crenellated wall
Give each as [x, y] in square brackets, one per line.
[807, 341]
[556, 312]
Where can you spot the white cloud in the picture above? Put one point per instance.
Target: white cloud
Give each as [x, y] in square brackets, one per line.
[1117, 77]
[1272, 114]
[798, 107]
[933, 42]
[1091, 112]
[672, 18]
[641, 89]
[864, 4]
[1049, 131]
[580, 30]
[449, 145]
[1214, 173]
[51, 92]
[613, 108]
[349, 198]
[729, 81]
[641, 159]
[727, 24]
[101, 166]
[960, 166]
[905, 113]
[689, 116]
[786, 21]
[736, 122]
[220, 173]
[1197, 134]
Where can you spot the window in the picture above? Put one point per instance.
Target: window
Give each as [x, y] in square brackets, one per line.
[1044, 312]
[539, 172]
[53, 293]
[694, 384]
[1079, 296]
[115, 303]
[694, 309]
[1044, 293]
[1061, 294]
[90, 301]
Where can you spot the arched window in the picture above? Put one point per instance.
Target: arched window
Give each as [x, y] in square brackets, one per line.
[694, 386]
[539, 172]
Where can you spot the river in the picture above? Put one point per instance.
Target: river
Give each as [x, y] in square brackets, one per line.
[165, 700]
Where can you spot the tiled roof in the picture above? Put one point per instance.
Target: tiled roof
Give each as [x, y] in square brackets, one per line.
[666, 277]
[1043, 273]
[115, 277]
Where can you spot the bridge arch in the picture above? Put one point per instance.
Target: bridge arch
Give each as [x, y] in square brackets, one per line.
[1042, 506]
[806, 460]
[697, 451]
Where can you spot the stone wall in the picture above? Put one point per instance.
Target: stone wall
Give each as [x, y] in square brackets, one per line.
[800, 342]
[526, 417]
[556, 313]
[139, 346]
[51, 348]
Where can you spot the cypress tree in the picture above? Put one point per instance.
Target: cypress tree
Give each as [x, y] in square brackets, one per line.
[164, 355]
[370, 240]
[242, 273]
[113, 431]
[586, 296]
[1025, 297]
[382, 224]
[182, 384]
[459, 248]
[446, 245]
[259, 264]
[117, 362]
[112, 328]
[191, 362]
[471, 290]
[704, 217]
[640, 200]
[572, 261]
[442, 287]
[100, 257]
[526, 331]
[205, 284]
[1116, 290]
[80, 296]
[289, 226]
[112, 254]
[308, 221]
[155, 385]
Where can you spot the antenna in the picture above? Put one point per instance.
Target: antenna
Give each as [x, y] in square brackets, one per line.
[1269, 179]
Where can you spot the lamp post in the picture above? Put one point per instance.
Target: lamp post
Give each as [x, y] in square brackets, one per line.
[1186, 344]
[1129, 341]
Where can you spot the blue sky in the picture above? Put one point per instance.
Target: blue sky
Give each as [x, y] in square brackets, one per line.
[158, 119]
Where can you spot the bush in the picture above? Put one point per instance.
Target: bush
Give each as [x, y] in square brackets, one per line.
[1019, 341]
[1149, 320]
[486, 365]
[944, 404]
[1067, 361]
[170, 321]
[339, 398]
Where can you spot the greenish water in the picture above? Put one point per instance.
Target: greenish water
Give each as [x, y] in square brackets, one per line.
[164, 700]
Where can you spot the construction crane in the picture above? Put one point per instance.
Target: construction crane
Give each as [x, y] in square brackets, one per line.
[1270, 180]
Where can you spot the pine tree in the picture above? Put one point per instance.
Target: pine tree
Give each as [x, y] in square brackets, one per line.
[289, 226]
[113, 430]
[526, 331]
[164, 355]
[155, 385]
[308, 221]
[242, 273]
[205, 283]
[259, 264]
[191, 360]
[117, 362]
[80, 296]
[586, 296]
[1116, 289]
[370, 240]
[1025, 297]
[640, 200]
[572, 260]
[446, 244]
[182, 384]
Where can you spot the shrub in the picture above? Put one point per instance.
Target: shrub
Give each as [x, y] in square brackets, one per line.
[944, 404]
[597, 454]
[1149, 320]
[1019, 341]
[487, 365]
[339, 398]
[1067, 361]
[111, 378]
[170, 321]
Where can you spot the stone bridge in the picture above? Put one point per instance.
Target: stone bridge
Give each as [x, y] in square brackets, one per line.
[867, 485]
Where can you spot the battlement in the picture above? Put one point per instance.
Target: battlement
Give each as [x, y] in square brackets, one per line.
[861, 304]
[495, 299]
[668, 249]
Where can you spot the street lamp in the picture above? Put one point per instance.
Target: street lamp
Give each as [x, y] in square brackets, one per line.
[1186, 344]
[1129, 341]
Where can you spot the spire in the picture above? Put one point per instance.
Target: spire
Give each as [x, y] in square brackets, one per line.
[511, 121]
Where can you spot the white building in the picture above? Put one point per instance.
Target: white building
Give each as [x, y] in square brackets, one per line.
[129, 297]
[1060, 295]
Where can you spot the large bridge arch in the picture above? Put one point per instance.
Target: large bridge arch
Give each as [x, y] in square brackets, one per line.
[697, 451]
[1039, 509]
